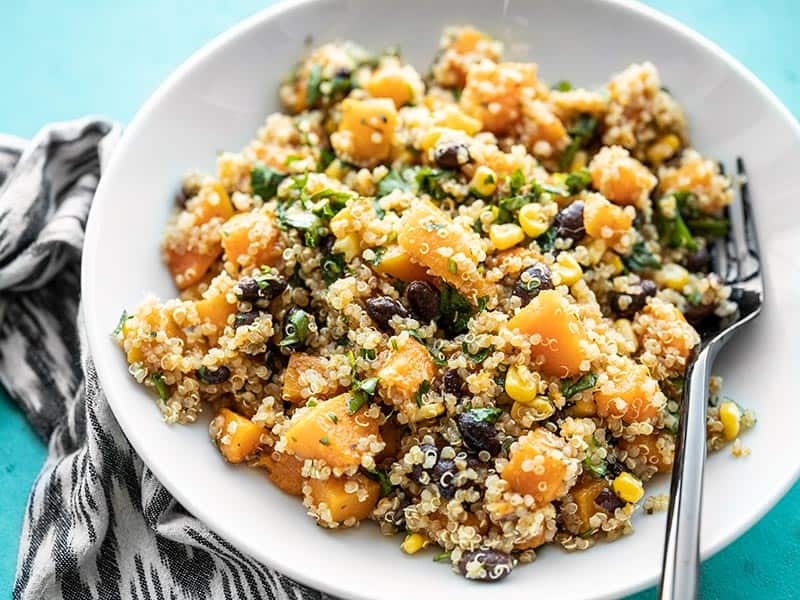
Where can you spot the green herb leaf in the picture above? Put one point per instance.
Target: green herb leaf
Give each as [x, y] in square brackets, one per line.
[161, 387]
[641, 259]
[442, 557]
[452, 266]
[355, 402]
[382, 477]
[483, 301]
[333, 417]
[547, 239]
[326, 157]
[577, 181]
[313, 94]
[582, 132]
[563, 86]
[333, 267]
[325, 441]
[570, 388]
[454, 311]
[296, 330]
[599, 470]
[395, 180]
[479, 356]
[488, 415]
[378, 208]
[423, 389]
[516, 181]
[121, 323]
[265, 181]
[368, 386]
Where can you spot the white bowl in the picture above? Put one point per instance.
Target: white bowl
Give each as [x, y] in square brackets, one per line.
[222, 94]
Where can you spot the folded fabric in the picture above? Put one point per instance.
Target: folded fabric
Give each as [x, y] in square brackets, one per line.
[98, 523]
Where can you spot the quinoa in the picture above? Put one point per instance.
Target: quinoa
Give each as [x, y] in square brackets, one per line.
[459, 304]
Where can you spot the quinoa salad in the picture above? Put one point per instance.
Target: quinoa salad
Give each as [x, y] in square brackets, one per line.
[457, 303]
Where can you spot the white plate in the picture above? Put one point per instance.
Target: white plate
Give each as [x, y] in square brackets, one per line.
[222, 94]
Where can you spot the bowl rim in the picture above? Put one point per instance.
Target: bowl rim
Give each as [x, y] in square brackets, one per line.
[95, 333]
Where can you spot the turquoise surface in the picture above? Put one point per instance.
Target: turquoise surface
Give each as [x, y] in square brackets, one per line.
[67, 59]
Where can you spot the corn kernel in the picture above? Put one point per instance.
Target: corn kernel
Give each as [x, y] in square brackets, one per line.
[731, 417]
[484, 181]
[429, 411]
[568, 269]
[628, 487]
[625, 328]
[413, 543]
[431, 137]
[579, 161]
[336, 170]
[663, 149]
[673, 276]
[615, 261]
[533, 220]
[348, 245]
[540, 409]
[597, 249]
[522, 385]
[506, 236]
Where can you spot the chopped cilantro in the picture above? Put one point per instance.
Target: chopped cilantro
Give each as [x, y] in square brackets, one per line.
[161, 387]
[382, 477]
[641, 259]
[442, 557]
[325, 441]
[423, 389]
[547, 239]
[482, 302]
[454, 311]
[570, 388]
[265, 181]
[515, 182]
[577, 181]
[333, 417]
[313, 93]
[333, 267]
[326, 157]
[479, 356]
[563, 86]
[378, 208]
[394, 180]
[296, 328]
[121, 323]
[488, 414]
[582, 132]
[452, 266]
[599, 470]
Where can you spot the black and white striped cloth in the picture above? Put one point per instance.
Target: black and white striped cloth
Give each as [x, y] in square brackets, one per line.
[98, 523]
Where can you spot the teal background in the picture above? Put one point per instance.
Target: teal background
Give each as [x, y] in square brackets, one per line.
[67, 59]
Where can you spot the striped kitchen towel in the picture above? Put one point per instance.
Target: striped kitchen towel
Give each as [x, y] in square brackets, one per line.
[98, 523]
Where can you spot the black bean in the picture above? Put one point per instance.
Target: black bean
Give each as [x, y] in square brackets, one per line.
[218, 375]
[180, 199]
[326, 244]
[382, 308]
[609, 501]
[478, 434]
[423, 299]
[627, 304]
[531, 281]
[569, 222]
[441, 473]
[342, 73]
[264, 287]
[452, 382]
[695, 313]
[451, 155]
[245, 318]
[496, 565]
[697, 261]
[615, 469]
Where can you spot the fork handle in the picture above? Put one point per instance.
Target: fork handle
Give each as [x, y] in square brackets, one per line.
[682, 543]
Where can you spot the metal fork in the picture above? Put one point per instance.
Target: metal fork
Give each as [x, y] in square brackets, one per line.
[737, 260]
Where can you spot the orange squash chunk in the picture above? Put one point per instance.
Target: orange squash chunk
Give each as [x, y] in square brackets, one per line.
[366, 131]
[293, 383]
[664, 323]
[629, 393]
[284, 470]
[403, 373]
[647, 447]
[238, 436]
[424, 230]
[620, 177]
[550, 316]
[343, 505]
[215, 309]
[493, 93]
[397, 263]
[188, 268]
[537, 466]
[584, 495]
[393, 81]
[603, 220]
[328, 432]
[252, 239]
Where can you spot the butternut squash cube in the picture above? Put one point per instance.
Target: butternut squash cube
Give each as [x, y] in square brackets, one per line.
[657, 450]
[397, 263]
[403, 373]
[560, 334]
[296, 378]
[432, 239]
[629, 392]
[366, 131]
[493, 93]
[238, 436]
[252, 239]
[620, 177]
[284, 470]
[538, 466]
[584, 495]
[328, 432]
[215, 309]
[400, 83]
[189, 267]
[344, 505]
[603, 220]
